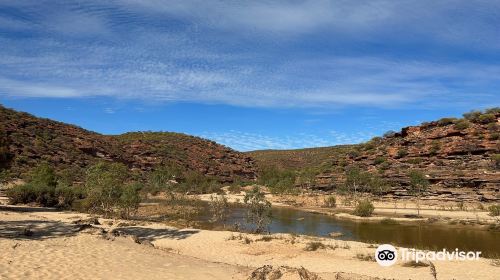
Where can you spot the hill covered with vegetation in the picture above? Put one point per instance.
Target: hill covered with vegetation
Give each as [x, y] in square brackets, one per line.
[459, 157]
[26, 141]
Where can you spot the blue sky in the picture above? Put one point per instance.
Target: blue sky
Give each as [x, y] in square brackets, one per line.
[250, 74]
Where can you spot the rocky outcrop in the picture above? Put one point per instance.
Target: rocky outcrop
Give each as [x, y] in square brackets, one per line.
[458, 156]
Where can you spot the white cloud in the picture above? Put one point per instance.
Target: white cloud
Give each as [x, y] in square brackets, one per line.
[28, 89]
[138, 50]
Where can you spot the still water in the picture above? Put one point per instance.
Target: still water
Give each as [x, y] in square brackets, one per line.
[414, 235]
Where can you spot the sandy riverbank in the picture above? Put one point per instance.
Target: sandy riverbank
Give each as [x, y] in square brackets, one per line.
[57, 248]
[398, 210]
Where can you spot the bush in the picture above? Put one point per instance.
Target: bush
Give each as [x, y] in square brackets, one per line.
[364, 208]
[446, 121]
[435, 147]
[494, 110]
[107, 192]
[402, 153]
[218, 207]
[66, 195]
[314, 245]
[494, 210]
[129, 200]
[472, 116]
[487, 118]
[28, 193]
[461, 124]
[390, 134]
[494, 136]
[496, 160]
[259, 209]
[331, 201]
[379, 160]
[41, 188]
[196, 182]
[278, 180]
[415, 160]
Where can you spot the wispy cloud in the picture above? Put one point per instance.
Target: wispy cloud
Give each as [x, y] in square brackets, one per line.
[224, 52]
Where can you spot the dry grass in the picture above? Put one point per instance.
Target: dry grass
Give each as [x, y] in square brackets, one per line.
[365, 257]
[315, 245]
[415, 264]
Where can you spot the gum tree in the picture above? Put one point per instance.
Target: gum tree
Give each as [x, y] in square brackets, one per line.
[259, 209]
[418, 185]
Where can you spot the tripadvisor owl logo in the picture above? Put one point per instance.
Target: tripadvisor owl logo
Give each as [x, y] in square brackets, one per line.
[386, 255]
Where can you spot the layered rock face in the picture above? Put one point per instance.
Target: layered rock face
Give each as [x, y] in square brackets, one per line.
[459, 157]
[28, 140]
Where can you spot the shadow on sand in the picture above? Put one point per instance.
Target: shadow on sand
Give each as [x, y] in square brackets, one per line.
[151, 234]
[16, 208]
[36, 230]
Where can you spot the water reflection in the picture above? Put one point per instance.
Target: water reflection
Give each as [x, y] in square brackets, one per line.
[423, 236]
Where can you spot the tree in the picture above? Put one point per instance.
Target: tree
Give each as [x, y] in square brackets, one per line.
[357, 180]
[278, 180]
[418, 184]
[218, 207]
[163, 179]
[129, 199]
[259, 209]
[378, 185]
[104, 186]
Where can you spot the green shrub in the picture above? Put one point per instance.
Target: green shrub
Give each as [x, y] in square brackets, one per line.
[472, 116]
[162, 179]
[235, 189]
[389, 134]
[496, 160]
[278, 180]
[416, 160]
[494, 136]
[354, 153]
[29, 193]
[259, 209]
[129, 199]
[364, 208]
[330, 201]
[487, 118]
[195, 182]
[494, 210]
[66, 195]
[40, 189]
[461, 124]
[43, 175]
[379, 160]
[435, 147]
[402, 153]
[494, 110]
[446, 121]
[107, 191]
